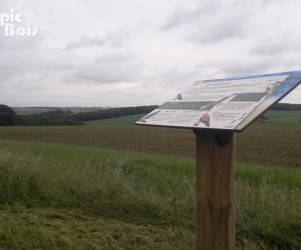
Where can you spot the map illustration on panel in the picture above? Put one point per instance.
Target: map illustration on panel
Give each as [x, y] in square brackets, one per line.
[228, 104]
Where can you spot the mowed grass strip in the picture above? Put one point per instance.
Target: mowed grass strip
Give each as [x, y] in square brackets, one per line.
[78, 197]
[275, 144]
[52, 228]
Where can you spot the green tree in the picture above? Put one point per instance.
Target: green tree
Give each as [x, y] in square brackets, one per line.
[7, 116]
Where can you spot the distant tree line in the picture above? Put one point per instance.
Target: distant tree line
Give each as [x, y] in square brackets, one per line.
[8, 116]
[113, 112]
[54, 117]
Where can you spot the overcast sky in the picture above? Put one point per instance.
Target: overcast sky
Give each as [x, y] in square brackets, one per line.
[133, 52]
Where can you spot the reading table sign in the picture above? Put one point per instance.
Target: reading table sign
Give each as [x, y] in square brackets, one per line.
[215, 110]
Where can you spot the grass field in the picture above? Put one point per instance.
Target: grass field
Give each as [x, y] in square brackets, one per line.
[116, 122]
[112, 185]
[58, 196]
[284, 116]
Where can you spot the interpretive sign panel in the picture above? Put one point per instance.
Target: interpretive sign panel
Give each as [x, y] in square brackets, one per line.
[227, 104]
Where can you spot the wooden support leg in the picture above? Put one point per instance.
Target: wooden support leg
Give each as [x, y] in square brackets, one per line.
[215, 190]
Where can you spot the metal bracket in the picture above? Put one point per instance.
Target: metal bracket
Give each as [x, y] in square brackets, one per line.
[223, 137]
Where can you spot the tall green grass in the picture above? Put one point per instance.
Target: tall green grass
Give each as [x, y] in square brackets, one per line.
[131, 201]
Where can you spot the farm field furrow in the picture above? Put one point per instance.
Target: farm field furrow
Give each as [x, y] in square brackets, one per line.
[263, 143]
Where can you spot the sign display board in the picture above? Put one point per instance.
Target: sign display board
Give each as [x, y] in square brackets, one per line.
[227, 104]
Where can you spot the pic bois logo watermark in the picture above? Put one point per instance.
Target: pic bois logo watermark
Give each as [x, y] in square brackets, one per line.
[14, 26]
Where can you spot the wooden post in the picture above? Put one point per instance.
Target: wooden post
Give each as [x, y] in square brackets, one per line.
[215, 215]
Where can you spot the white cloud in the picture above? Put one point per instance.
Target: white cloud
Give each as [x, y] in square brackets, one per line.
[116, 39]
[113, 53]
[211, 21]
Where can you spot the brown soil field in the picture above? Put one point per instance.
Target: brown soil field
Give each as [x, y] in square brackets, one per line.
[260, 144]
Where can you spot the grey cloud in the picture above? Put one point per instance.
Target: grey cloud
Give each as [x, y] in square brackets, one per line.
[31, 62]
[184, 14]
[116, 57]
[109, 68]
[86, 41]
[271, 45]
[219, 30]
[175, 76]
[268, 49]
[241, 68]
[28, 64]
[265, 4]
[19, 56]
[55, 70]
[212, 21]
[102, 74]
[115, 39]
[19, 43]
[228, 67]
[5, 6]
[195, 12]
